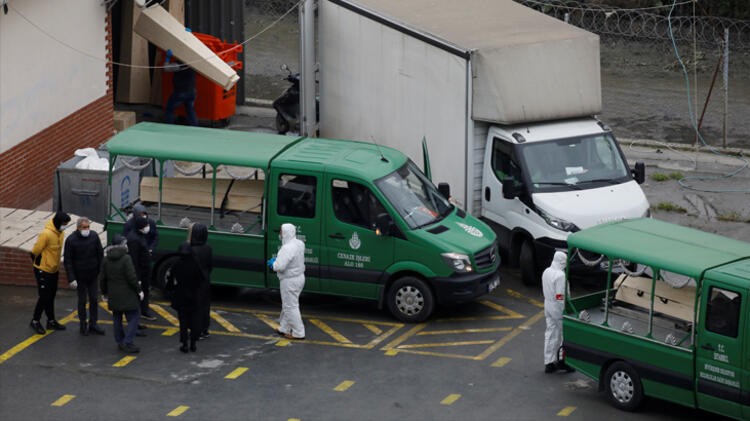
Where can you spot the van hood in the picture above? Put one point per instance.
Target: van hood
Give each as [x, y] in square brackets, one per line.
[586, 208]
[458, 234]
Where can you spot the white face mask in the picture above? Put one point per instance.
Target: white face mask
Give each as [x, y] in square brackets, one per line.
[146, 229]
[85, 233]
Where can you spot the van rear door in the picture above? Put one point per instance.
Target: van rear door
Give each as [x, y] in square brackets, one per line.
[719, 349]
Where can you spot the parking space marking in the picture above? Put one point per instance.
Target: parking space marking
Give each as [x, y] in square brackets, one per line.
[283, 342]
[294, 419]
[165, 314]
[124, 361]
[455, 331]
[518, 295]
[501, 362]
[62, 400]
[390, 348]
[178, 411]
[330, 331]
[265, 318]
[439, 344]
[566, 411]
[237, 372]
[170, 331]
[450, 399]
[521, 328]
[372, 328]
[223, 322]
[5, 356]
[343, 386]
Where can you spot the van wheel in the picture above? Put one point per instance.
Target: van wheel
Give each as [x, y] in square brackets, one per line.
[410, 300]
[527, 260]
[162, 272]
[623, 385]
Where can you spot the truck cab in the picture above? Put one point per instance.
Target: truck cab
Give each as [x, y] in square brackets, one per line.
[543, 181]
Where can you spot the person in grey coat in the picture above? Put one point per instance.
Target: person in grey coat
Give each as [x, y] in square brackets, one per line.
[118, 281]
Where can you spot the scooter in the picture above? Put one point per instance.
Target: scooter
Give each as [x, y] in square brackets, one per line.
[287, 105]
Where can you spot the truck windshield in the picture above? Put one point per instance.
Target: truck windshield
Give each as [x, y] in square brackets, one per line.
[574, 163]
[413, 196]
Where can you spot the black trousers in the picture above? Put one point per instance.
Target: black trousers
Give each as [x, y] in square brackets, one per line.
[46, 287]
[87, 290]
[191, 325]
[146, 288]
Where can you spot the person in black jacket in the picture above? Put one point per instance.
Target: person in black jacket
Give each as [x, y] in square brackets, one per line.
[188, 278]
[83, 258]
[152, 238]
[204, 255]
[138, 251]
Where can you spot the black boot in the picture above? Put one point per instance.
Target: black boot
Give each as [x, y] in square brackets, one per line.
[562, 366]
[96, 329]
[184, 348]
[52, 324]
[550, 368]
[192, 346]
[38, 328]
[84, 329]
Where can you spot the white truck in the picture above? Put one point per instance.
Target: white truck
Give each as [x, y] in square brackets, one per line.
[506, 98]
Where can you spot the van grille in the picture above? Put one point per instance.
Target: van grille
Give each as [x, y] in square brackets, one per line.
[486, 258]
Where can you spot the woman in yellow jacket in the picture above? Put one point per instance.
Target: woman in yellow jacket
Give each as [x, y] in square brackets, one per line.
[46, 257]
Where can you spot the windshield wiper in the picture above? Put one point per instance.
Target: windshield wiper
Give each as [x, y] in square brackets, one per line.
[600, 180]
[557, 183]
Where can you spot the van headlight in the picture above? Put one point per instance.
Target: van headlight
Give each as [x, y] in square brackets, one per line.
[558, 223]
[458, 262]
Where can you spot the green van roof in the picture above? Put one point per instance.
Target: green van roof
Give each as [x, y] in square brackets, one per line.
[661, 244]
[198, 144]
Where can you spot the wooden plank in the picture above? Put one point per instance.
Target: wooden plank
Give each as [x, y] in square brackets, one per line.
[245, 195]
[674, 302]
[133, 83]
[175, 8]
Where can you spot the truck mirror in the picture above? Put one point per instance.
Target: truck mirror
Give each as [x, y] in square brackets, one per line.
[639, 172]
[511, 189]
[445, 190]
[383, 224]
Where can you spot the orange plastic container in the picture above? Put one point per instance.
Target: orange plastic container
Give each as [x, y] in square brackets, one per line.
[212, 102]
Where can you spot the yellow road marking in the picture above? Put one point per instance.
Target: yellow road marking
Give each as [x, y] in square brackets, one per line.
[62, 400]
[448, 332]
[170, 331]
[408, 334]
[520, 296]
[566, 411]
[178, 411]
[522, 327]
[294, 419]
[412, 346]
[391, 352]
[237, 372]
[165, 314]
[330, 331]
[501, 362]
[223, 322]
[495, 306]
[283, 342]
[450, 399]
[104, 306]
[343, 386]
[372, 328]
[32, 339]
[124, 361]
[267, 320]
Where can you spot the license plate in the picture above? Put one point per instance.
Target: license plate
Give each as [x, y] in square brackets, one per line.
[493, 284]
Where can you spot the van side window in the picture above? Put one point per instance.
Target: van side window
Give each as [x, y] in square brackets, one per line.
[355, 204]
[723, 312]
[297, 195]
[503, 162]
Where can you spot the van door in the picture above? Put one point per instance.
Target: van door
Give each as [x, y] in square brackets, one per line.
[355, 256]
[500, 164]
[294, 199]
[719, 350]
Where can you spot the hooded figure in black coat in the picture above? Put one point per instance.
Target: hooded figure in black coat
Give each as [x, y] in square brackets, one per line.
[204, 256]
[188, 278]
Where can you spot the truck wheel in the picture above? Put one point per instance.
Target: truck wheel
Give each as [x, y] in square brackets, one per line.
[623, 385]
[282, 126]
[410, 300]
[527, 260]
[162, 272]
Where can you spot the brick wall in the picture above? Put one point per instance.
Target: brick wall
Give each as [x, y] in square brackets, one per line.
[17, 269]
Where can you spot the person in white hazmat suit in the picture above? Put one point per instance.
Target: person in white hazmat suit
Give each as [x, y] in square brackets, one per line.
[289, 265]
[553, 285]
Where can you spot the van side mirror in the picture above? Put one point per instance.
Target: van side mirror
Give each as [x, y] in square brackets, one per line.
[383, 224]
[639, 172]
[511, 189]
[445, 190]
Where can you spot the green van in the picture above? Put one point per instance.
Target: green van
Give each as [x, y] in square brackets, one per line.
[671, 324]
[374, 226]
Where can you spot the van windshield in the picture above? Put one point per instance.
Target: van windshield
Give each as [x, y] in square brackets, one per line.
[575, 163]
[414, 196]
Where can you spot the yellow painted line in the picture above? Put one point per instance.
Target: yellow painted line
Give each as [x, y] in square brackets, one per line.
[5, 356]
[495, 306]
[566, 411]
[165, 314]
[464, 343]
[501, 362]
[449, 332]
[343, 386]
[401, 339]
[294, 419]
[237, 372]
[178, 411]
[372, 328]
[450, 399]
[430, 353]
[283, 342]
[466, 319]
[62, 400]
[516, 294]
[104, 306]
[124, 361]
[521, 328]
[258, 313]
[223, 322]
[391, 352]
[267, 320]
[330, 331]
[170, 331]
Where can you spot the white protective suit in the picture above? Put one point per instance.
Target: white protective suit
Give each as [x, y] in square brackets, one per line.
[553, 285]
[290, 267]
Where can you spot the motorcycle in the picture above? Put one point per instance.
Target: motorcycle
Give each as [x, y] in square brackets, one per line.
[287, 105]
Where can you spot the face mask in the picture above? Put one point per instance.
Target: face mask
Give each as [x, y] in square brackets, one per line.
[146, 229]
[145, 216]
[85, 233]
[64, 227]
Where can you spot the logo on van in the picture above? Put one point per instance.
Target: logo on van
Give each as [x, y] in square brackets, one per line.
[471, 230]
[354, 242]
